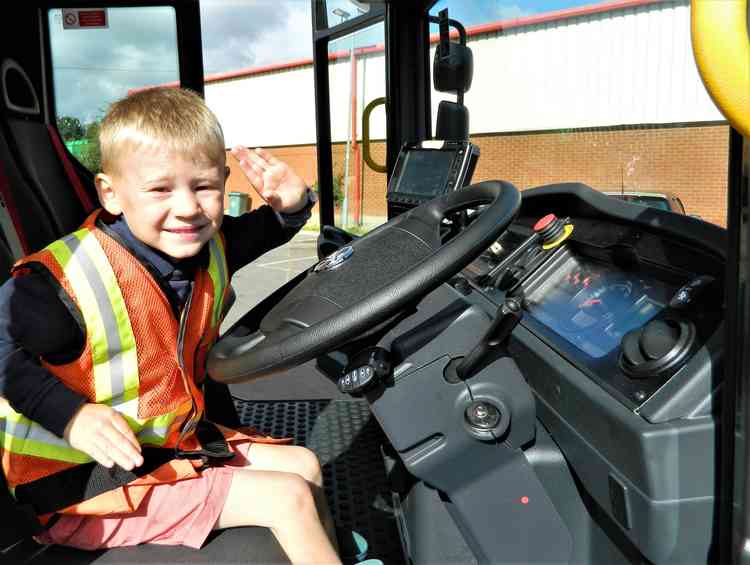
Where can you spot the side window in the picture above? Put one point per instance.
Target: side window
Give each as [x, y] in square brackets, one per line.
[575, 95]
[356, 72]
[99, 56]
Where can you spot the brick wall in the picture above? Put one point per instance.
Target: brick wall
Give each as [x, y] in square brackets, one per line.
[301, 158]
[689, 161]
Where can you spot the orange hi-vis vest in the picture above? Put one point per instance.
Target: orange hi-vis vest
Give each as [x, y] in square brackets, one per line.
[137, 358]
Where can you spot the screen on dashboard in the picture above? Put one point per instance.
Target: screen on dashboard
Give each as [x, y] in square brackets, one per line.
[592, 305]
[424, 172]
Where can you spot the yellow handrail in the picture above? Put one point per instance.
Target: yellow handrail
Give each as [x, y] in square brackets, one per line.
[721, 47]
[366, 136]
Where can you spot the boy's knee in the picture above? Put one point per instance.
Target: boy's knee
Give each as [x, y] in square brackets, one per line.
[296, 497]
[309, 466]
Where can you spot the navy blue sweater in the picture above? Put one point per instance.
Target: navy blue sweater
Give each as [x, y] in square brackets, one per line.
[35, 323]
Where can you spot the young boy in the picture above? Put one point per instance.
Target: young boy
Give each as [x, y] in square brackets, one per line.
[128, 307]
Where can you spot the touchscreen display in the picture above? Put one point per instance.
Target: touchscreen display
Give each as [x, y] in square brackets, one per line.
[592, 305]
[425, 172]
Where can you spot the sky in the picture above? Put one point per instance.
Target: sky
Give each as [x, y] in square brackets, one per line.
[93, 67]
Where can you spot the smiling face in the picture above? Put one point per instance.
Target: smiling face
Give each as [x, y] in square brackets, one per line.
[171, 202]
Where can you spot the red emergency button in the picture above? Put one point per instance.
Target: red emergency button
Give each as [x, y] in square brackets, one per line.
[544, 222]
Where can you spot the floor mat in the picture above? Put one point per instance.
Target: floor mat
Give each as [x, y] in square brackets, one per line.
[347, 440]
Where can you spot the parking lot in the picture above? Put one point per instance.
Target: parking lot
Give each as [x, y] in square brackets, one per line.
[252, 284]
[267, 273]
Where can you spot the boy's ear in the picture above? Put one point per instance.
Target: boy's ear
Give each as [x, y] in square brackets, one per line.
[107, 196]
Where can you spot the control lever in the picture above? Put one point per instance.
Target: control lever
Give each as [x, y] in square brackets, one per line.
[509, 313]
[549, 232]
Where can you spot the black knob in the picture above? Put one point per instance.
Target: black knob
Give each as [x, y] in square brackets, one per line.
[658, 338]
[657, 347]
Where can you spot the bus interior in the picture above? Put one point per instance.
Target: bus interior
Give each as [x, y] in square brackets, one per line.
[522, 376]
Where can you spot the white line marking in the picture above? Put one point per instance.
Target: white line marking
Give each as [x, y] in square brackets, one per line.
[287, 261]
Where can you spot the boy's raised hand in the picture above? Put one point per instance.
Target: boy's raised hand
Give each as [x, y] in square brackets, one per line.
[102, 433]
[273, 180]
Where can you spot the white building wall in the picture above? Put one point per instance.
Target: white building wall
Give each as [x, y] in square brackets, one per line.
[631, 66]
[271, 109]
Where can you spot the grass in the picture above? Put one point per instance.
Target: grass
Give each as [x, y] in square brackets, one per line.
[355, 230]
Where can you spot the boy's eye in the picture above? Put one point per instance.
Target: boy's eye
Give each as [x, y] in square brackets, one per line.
[159, 189]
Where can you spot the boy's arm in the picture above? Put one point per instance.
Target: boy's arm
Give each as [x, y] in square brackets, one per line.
[34, 322]
[289, 203]
[252, 234]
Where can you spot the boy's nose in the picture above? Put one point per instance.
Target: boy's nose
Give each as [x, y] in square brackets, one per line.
[185, 203]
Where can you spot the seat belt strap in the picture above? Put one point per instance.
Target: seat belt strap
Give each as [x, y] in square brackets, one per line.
[10, 219]
[83, 196]
[19, 520]
[82, 482]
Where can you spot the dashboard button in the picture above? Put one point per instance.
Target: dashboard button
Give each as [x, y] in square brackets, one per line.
[544, 222]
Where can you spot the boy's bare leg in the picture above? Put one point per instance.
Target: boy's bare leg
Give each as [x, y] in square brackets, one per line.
[284, 503]
[299, 460]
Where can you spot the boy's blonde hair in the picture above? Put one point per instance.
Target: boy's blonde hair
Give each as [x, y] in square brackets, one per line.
[176, 118]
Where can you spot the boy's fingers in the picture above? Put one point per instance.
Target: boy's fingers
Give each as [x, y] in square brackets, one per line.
[267, 155]
[255, 176]
[119, 446]
[246, 166]
[100, 456]
[124, 460]
[257, 160]
[124, 429]
[240, 152]
[123, 454]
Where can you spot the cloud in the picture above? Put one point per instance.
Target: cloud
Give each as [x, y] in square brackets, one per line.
[94, 67]
[506, 12]
[238, 34]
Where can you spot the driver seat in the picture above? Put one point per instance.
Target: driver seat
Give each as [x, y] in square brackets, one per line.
[246, 545]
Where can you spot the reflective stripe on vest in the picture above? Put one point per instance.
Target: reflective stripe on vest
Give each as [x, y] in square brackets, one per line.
[217, 270]
[106, 319]
[26, 437]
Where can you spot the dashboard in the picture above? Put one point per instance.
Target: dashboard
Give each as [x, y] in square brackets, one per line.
[626, 302]
[601, 399]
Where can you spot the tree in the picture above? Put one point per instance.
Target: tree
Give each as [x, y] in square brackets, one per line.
[70, 128]
[91, 157]
[338, 188]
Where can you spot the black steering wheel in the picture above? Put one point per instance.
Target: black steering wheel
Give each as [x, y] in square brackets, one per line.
[363, 284]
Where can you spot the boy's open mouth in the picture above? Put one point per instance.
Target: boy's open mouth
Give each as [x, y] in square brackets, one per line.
[186, 232]
[185, 229]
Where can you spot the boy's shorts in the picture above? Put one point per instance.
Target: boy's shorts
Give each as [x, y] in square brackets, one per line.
[180, 513]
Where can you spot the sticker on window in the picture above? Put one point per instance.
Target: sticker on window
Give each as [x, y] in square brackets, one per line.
[75, 18]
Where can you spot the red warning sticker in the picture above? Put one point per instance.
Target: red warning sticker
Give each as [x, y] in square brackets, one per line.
[75, 18]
